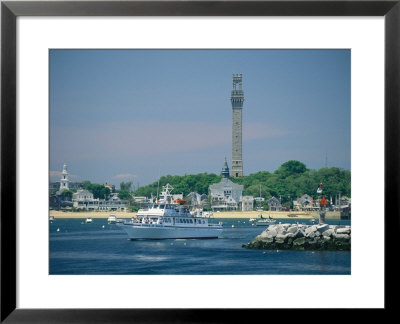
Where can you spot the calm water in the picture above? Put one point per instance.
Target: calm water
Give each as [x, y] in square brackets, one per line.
[80, 248]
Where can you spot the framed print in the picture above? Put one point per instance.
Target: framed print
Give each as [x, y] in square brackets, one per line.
[148, 78]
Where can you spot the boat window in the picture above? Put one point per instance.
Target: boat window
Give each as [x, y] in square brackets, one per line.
[191, 221]
[162, 206]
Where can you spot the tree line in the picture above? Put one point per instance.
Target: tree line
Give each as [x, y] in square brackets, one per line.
[290, 181]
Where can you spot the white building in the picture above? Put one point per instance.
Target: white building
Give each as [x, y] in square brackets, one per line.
[83, 199]
[64, 179]
[247, 203]
[225, 195]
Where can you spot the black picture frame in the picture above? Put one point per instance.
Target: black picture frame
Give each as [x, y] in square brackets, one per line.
[10, 10]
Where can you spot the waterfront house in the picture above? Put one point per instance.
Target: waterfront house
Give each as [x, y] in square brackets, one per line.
[247, 203]
[274, 204]
[195, 198]
[305, 202]
[84, 200]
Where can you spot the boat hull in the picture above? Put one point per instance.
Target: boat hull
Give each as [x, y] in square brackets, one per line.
[157, 232]
[259, 223]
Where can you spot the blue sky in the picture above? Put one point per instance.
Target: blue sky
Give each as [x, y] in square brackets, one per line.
[132, 115]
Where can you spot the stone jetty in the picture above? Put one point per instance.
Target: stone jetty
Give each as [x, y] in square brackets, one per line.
[303, 237]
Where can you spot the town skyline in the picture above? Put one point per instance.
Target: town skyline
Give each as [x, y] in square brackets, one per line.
[136, 115]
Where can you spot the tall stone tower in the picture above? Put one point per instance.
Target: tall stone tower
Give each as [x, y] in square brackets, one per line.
[64, 179]
[237, 99]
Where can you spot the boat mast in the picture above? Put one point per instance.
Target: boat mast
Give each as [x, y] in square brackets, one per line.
[158, 186]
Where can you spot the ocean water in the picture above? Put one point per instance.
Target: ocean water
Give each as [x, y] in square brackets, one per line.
[83, 249]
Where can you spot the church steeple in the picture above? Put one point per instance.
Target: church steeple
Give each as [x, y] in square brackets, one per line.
[64, 179]
[225, 170]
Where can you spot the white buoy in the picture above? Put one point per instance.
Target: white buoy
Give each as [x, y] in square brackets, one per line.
[58, 229]
[102, 226]
[233, 226]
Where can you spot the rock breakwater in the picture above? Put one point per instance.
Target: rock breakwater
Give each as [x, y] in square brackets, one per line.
[303, 237]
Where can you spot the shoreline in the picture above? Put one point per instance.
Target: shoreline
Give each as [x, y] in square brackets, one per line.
[228, 214]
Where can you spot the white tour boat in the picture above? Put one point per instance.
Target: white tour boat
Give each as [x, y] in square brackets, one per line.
[169, 219]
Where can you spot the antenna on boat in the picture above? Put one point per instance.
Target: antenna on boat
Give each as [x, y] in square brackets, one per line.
[158, 186]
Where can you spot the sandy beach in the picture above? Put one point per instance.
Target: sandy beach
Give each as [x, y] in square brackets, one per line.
[230, 214]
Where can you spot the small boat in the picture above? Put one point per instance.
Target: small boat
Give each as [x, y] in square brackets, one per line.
[169, 219]
[112, 219]
[265, 221]
[89, 220]
[51, 218]
[252, 220]
[200, 213]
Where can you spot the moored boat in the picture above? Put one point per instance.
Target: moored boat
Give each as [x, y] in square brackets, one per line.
[112, 219]
[265, 221]
[89, 220]
[167, 219]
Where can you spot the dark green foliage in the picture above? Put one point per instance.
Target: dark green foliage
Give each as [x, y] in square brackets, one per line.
[125, 186]
[182, 184]
[98, 190]
[291, 168]
[124, 195]
[67, 194]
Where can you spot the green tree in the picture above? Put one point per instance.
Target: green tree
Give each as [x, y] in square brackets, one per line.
[67, 194]
[98, 190]
[291, 167]
[124, 195]
[126, 186]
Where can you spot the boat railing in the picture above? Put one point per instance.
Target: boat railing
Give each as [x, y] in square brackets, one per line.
[137, 224]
